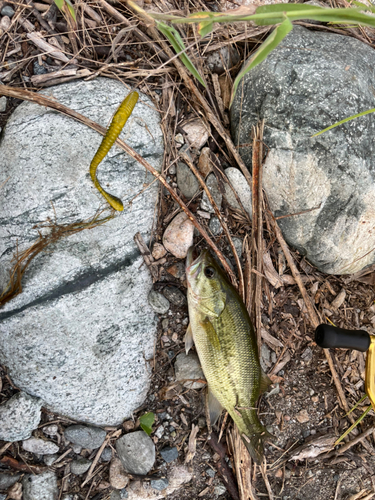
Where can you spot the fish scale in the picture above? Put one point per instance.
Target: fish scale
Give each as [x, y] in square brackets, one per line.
[226, 345]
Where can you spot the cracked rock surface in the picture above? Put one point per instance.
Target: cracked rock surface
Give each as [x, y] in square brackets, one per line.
[327, 183]
[74, 337]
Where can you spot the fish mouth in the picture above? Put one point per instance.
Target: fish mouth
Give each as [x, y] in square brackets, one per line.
[193, 262]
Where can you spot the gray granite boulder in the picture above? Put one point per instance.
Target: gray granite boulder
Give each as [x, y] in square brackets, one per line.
[309, 82]
[80, 334]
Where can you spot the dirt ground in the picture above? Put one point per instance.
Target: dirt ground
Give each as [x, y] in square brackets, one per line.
[302, 409]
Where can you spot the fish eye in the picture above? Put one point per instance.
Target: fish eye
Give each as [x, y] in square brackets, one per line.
[209, 272]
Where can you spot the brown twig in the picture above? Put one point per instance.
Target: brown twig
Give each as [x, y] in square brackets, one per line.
[222, 467]
[147, 257]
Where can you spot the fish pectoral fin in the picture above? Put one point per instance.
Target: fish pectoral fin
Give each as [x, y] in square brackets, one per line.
[214, 407]
[265, 382]
[210, 331]
[188, 338]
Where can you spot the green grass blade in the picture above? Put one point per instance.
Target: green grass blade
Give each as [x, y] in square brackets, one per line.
[146, 422]
[205, 28]
[354, 425]
[177, 43]
[345, 120]
[267, 46]
[357, 404]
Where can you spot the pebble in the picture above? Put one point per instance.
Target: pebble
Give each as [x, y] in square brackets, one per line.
[39, 69]
[237, 242]
[118, 476]
[302, 416]
[265, 357]
[80, 466]
[196, 132]
[159, 484]
[178, 237]
[213, 187]
[106, 455]
[172, 170]
[8, 480]
[51, 430]
[186, 181]
[115, 495]
[86, 436]
[175, 296]
[223, 59]
[76, 448]
[158, 302]
[307, 355]
[169, 454]
[124, 493]
[177, 270]
[159, 431]
[215, 226]
[136, 452]
[187, 367]
[210, 472]
[40, 446]
[204, 162]
[240, 185]
[19, 416]
[49, 459]
[179, 138]
[158, 251]
[40, 487]
[7, 11]
[5, 23]
[220, 490]
[165, 324]
[3, 496]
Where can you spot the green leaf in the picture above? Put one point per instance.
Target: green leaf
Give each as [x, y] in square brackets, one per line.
[345, 120]
[146, 422]
[177, 43]
[205, 28]
[267, 46]
[59, 3]
[71, 9]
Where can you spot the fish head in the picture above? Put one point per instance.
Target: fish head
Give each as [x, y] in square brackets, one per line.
[206, 281]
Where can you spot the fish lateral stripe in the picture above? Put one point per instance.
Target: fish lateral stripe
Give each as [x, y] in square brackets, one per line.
[117, 124]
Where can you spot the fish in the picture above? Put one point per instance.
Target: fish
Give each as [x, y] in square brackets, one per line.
[117, 124]
[225, 341]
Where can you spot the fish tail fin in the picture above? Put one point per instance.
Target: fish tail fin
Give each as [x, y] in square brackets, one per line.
[255, 444]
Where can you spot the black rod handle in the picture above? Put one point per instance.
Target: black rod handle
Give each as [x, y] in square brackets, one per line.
[331, 336]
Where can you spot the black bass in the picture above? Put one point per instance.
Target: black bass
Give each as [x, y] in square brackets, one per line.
[224, 337]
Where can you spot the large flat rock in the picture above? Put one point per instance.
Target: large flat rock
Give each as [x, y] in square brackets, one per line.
[80, 334]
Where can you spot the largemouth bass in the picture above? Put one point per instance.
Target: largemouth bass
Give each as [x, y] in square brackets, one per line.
[224, 337]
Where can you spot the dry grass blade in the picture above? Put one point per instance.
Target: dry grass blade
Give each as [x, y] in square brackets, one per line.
[192, 443]
[147, 257]
[243, 466]
[44, 101]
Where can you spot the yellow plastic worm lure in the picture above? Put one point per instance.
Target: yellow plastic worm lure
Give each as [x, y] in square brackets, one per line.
[117, 124]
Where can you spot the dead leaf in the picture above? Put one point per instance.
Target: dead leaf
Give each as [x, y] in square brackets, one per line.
[192, 443]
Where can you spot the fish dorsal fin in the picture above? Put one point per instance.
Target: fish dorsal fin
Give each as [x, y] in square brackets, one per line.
[265, 382]
[211, 333]
[189, 341]
[214, 407]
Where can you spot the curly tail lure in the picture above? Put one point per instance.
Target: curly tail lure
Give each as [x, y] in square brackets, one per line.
[117, 124]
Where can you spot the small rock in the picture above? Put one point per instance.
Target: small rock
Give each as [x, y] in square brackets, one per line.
[186, 181]
[3, 496]
[158, 251]
[124, 493]
[197, 133]
[307, 355]
[210, 472]
[169, 454]
[49, 459]
[40, 487]
[237, 242]
[187, 367]
[80, 466]
[76, 448]
[106, 455]
[115, 495]
[8, 480]
[204, 162]
[175, 296]
[213, 187]
[4, 25]
[19, 416]
[39, 69]
[159, 484]
[223, 59]
[302, 417]
[215, 226]
[240, 185]
[165, 323]
[51, 430]
[158, 302]
[177, 270]
[128, 425]
[118, 476]
[201, 422]
[136, 452]
[220, 490]
[179, 138]
[159, 431]
[172, 170]
[7, 11]
[178, 237]
[265, 357]
[40, 446]
[85, 436]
